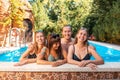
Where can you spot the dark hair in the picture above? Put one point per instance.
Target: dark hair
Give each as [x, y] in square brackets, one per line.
[82, 28]
[28, 33]
[51, 39]
[67, 26]
[29, 24]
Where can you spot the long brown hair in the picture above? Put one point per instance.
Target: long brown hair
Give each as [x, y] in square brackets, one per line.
[76, 39]
[51, 39]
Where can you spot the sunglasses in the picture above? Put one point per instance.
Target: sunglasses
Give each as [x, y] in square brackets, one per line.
[55, 35]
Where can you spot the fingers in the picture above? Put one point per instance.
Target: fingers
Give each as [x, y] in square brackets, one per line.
[55, 64]
[92, 66]
[18, 64]
[83, 63]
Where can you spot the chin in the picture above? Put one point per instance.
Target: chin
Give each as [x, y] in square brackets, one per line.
[40, 43]
[67, 37]
[56, 48]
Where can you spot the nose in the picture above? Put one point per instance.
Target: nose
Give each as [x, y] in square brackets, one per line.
[82, 35]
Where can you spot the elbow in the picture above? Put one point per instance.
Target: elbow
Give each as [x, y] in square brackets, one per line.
[68, 60]
[38, 62]
[102, 61]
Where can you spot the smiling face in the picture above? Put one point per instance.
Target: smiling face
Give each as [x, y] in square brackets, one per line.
[40, 39]
[56, 45]
[67, 32]
[82, 36]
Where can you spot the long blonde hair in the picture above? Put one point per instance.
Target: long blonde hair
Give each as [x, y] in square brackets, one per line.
[35, 44]
[76, 39]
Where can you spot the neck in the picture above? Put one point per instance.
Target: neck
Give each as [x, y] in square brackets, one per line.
[67, 40]
[53, 51]
[81, 44]
[40, 46]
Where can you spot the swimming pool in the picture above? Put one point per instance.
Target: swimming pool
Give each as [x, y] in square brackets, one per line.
[108, 54]
[12, 55]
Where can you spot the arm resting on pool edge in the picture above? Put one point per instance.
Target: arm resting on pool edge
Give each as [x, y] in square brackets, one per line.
[70, 58]
[26, 61]
[98, 60]
[40, 60]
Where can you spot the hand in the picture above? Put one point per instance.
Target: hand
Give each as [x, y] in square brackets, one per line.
[21, 63]
[92, 66]
[57, 63]
[83, 63]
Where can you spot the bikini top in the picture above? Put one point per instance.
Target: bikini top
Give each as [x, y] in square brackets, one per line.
[87, 56]
[32, 56]
[51, 58]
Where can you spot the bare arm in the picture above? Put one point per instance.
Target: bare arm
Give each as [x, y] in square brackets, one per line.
[27, 52]
[23, 59]
[40, 60]
[41, 56]
[98, 60]
[61, 62]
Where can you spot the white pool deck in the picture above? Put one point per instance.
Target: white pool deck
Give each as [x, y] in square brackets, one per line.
[33, 67]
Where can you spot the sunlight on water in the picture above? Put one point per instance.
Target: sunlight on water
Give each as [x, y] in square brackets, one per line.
[108, 54]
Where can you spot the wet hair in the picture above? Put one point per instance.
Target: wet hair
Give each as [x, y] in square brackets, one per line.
[76, 39]
[67, 26]
[51, 39]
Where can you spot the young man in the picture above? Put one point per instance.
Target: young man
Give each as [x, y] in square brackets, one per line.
[66, 40]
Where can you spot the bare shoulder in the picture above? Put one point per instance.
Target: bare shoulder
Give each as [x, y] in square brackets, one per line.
[72, 40]
[62, 40]
[91, 47]
[31, 46]
[71, 47]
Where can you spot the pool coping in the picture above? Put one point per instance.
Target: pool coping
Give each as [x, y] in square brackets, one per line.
[33, 67]
[113, 46]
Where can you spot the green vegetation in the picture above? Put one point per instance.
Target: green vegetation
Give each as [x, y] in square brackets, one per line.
[101, 17]
[107, 27]
[52, 15]
[15, 14]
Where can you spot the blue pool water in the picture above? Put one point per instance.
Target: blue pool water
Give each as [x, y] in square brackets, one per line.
[12, 56]
[108, 54]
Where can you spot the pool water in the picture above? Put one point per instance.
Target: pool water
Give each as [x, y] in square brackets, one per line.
[108, 54]
[12, 56]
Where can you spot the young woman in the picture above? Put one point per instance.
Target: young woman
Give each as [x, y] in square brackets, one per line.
[53, 55]
[30, 55]
[80, 52]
